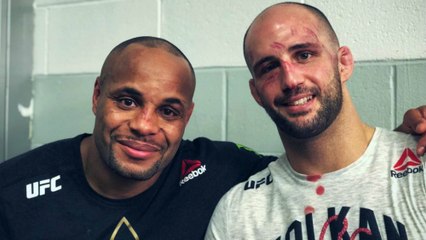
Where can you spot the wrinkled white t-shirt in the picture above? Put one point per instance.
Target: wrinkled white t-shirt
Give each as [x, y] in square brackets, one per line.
[382, 195]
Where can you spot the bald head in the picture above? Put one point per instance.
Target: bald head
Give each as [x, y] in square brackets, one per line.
[146, 41]
[283, 11]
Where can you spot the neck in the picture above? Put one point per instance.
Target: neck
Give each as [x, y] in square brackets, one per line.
[103, 180]
[341, 144]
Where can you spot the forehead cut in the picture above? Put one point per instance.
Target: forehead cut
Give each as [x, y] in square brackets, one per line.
[272, 17]
[305, 35]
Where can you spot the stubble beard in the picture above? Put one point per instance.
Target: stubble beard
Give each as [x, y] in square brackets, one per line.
[331, 104]
[141, 175]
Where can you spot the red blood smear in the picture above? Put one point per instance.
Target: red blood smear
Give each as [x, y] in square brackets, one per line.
[313, 178]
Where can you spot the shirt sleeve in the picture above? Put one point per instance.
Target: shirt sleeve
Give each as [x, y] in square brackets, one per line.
[217, 229]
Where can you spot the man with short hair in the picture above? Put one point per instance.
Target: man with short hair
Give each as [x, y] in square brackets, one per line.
[339, 178]
[134, 177]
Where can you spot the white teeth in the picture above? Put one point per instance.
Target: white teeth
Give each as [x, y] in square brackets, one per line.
[300, 101]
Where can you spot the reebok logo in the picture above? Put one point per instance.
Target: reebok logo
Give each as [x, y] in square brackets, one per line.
[190, 170]
[407, 163]
[36, 189]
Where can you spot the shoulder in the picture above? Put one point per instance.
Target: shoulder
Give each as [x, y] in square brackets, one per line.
[393, 148]
[222, 151]
[223, 164]
[257, 184]
[203, 144]
[41, 160]
[239, 205]
[395, 139]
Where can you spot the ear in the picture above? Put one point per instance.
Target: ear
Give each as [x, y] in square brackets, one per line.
[96, 94]
[346, 63]
[254, 92]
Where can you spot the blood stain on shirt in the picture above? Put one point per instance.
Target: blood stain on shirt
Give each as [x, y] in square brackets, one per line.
[309, 210]
[313, 178]
[320, 190]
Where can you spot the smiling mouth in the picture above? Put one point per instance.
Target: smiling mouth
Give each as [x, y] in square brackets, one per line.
[139, 150]
[140, 146]
[300, 101]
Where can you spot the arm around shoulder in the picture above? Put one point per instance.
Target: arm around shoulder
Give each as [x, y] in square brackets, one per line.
[414, 122]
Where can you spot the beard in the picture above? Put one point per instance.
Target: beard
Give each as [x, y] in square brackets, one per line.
[331, 104]
[141, 175]
[110, 159]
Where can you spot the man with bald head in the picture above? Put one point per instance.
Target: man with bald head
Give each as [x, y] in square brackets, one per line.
[134, 177]
[339, 177]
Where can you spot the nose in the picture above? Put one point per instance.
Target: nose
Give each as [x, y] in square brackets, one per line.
[290, 77]
[144, 122]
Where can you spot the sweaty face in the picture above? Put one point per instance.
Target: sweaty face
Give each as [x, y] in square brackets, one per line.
[142, 108]
[295, 71]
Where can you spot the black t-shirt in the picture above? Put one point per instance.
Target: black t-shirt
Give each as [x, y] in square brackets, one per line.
[44, 194]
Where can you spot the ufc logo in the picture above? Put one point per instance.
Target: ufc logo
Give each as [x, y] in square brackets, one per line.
[36, 189]
[256, 184]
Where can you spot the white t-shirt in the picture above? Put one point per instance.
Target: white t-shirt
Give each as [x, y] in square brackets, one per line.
[382, 195]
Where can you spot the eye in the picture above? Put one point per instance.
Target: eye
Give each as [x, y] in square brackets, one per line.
[170, 113]
[270, 66]
[126, 103]
[303, 56]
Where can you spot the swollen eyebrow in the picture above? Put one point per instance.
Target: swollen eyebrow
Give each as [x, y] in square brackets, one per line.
[262, 61]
